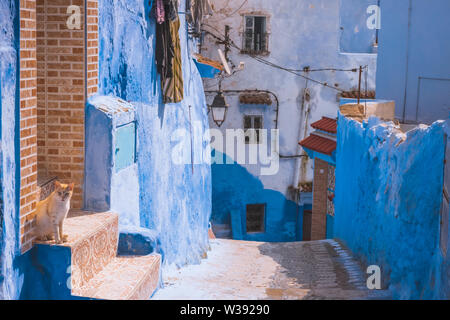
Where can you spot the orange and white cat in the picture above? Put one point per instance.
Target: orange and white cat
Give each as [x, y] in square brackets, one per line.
[51, 212]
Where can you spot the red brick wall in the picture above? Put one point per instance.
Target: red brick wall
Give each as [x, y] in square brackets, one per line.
[92, 46]
[58, 69]
[28, 121]
[64, 77]
[319, 210]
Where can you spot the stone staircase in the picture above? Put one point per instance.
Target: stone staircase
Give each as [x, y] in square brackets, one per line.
[87, 265]
[222, 231]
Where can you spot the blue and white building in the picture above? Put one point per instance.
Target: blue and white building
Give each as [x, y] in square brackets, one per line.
[320, 40]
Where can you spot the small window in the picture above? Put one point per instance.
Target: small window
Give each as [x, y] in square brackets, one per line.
[256, 218]
[255, 35]
[252, 128]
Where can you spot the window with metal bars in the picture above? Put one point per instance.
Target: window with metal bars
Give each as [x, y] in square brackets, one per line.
[255, 35]
[256, 218]
[252, 129]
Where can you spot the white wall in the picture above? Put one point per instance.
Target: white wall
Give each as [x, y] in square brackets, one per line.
[302, 33]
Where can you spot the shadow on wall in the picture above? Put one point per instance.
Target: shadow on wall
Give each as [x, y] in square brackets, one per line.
[174, 200]
[233, 187]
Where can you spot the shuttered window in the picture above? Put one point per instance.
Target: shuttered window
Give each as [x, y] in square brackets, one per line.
[255, 35]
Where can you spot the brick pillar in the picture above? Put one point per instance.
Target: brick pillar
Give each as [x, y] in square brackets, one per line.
[28, 121]
[319, 210]
[92, 47]
[67, 75]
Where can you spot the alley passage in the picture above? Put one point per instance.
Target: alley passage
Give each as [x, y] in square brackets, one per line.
[260, 270]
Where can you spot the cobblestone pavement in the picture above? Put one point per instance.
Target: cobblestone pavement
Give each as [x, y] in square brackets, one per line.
[260, 270]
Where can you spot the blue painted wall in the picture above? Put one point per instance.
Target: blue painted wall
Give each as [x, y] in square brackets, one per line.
[413, 61]
[391, 218]
[302, 33]
[442, 261]
[10, 278]
[356, 37]
[330, 227]
[19, 276]
[234, 187]
[174, 200]
[112, 177]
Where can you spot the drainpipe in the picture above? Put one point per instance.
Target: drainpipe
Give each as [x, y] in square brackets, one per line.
[407, 61]
[300, 164]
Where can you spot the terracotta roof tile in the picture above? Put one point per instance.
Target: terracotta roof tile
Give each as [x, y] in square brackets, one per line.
[319, 144]
[326, 124]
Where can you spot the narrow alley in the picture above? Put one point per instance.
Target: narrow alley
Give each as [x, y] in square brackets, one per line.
[224, 150]
[245, 270]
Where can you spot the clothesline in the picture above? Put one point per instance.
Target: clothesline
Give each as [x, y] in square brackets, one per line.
[167, 45]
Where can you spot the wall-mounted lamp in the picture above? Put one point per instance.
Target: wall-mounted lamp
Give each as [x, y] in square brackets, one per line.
[219, 109]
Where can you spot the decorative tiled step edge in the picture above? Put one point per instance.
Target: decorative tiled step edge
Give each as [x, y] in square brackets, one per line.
[222, 231]
[46, 185]
[92, 239]
[124, 278]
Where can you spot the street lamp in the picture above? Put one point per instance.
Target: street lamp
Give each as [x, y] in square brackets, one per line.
[219, 109]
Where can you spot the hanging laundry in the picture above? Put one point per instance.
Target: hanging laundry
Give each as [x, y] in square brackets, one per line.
[199, 9]
[164, 50]
[168, 50]
[160, 14]
[173, 87]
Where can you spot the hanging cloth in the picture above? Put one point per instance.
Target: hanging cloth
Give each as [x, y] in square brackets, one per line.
[164, 50]
[168, 50]
[160, 14]
[173, 89]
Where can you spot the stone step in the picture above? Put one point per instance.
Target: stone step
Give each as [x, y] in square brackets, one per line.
[93, 240]
[87, 265]
[222, 231]
[124, 278]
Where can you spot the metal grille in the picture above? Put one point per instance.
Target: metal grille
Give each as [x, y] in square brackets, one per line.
[330, 190]
[256, 218]
[255, 37]
[252, 127]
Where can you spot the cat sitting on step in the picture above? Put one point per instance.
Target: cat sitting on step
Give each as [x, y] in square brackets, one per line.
[51, 212]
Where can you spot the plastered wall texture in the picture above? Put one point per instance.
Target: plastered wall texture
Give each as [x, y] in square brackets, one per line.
[28, 121]
[413, 68]
[301, 33]
[387, 203]
[174, 200]
[9, 103]
[234, 187]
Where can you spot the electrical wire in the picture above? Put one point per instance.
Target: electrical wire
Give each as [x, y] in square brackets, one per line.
[333, 69]
[273, 65]
[277, 101]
